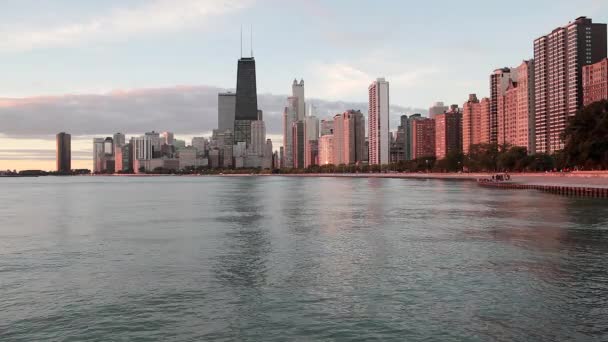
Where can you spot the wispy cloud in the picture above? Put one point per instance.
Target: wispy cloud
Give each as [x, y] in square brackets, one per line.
[343, 80]
[155, 16]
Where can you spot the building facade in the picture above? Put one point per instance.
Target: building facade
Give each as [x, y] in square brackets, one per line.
[448, 133]
[559, 58]
[64, 153]
[326, 150]
[471, 123]
[349, 138]
[595, 82]
[226, 109]
[423, 138]
[379, 130]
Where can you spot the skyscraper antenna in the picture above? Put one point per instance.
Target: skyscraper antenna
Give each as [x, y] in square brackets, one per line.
[251, 40]
[241, 41]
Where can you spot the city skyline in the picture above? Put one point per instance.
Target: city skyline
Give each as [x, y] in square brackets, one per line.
[32, 140]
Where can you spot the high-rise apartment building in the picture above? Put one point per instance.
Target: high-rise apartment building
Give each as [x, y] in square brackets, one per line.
[437, 108]
[349, 137]
[471, 123]
[516, 114]
[595, 82]
[448, 133]
[559, 58]
[485, 121]
[226, 111]
[423, 138]
[326, 149]
[64, 153]
[379, 140]
[499, 81]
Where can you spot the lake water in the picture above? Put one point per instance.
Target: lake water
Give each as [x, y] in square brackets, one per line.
[297, 259]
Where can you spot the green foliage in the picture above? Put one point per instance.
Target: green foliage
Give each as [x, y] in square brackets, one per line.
[586, 138]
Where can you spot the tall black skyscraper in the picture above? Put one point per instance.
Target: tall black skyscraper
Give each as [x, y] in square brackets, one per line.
[246, 100]
[64, 153]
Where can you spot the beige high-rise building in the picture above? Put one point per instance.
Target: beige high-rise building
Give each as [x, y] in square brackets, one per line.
[326, 149]
[349, 137]
[471, 123]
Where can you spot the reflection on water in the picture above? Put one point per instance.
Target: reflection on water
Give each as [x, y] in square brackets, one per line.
[280, 258]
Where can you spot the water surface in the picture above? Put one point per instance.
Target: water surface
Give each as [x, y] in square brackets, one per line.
[302, 259]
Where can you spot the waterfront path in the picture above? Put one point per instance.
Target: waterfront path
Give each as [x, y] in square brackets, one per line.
[572, 179]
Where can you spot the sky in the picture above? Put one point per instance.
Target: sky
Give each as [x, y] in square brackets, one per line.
[92, 68]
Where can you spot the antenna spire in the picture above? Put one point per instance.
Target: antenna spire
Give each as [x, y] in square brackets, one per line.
[241, 41]
[251, 40]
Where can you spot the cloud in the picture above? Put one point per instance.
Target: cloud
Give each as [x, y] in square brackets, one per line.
[343, 80]
[154, 16]
[39, 154]
[185, 110]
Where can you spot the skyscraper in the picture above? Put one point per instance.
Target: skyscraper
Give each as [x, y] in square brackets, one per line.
[471, 123]
[98, 155]
[298, 138]
[246, 105]
[64, 153]
[226, 109]
[311, 140]
[290, 115]
[516, 109]
[349, 138]
[499, 81]
[297, 90]
[558, 61]
[379, 140]
[326, 149]
[423, 138]
[448, 133]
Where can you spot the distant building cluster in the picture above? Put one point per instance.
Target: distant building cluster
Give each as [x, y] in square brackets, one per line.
[528, 106]
[238, 142]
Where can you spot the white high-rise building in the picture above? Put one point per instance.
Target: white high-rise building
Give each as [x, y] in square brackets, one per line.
[143, 147]
[379, 133]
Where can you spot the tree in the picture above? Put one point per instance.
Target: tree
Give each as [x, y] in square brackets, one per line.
[586, 137]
